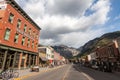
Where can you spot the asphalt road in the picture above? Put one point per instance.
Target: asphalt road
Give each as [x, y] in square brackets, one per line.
[74, 72]
[56, 74]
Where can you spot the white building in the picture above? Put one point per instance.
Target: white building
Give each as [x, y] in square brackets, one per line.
[49, 52]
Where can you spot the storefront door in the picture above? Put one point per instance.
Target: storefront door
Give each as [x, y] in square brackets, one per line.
[9, 61]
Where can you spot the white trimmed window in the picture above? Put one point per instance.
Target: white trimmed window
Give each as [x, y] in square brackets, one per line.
[32, 44]
[16, 38]
[11, 17]
[29, 32]
[25, 28]
[7, 34]
[28, 43]
[23, 41]
[18, 23]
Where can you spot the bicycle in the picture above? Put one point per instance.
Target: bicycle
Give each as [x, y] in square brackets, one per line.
[3, 75]
[8, 74]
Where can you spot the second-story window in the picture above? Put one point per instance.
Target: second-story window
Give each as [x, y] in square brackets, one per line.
[52, 56]
[36, 45]
[25, 28]
[16, 38]
[29, 32]
[32, 44]
[28, 43]
[11, 17]
[18, 23]
[7, 34]
[34, 34]
[37, 36]
[23, 41]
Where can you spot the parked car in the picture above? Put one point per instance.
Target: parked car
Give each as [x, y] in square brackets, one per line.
[35, 68]
[94, 64]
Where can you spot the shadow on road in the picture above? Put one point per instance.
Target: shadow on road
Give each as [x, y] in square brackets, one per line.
[95, 74]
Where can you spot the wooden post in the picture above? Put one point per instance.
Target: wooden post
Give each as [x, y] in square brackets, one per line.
[4, 61]
[36, 63]
[14, 60]
[9, 61]
[20, 60]
[25, 60]
[29, 61]
[33, 60]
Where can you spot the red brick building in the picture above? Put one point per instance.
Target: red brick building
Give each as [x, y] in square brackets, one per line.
[19, 36]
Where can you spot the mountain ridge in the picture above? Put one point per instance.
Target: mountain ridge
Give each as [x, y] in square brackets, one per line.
[67, 52]
[100, 41]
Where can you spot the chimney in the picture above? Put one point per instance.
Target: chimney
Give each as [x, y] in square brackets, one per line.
[116, 44]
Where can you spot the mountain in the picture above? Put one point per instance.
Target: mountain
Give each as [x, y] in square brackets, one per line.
[67, 52]
[98, 42]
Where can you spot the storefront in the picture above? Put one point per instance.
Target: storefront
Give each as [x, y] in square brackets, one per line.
[15, 58]
[43, 62]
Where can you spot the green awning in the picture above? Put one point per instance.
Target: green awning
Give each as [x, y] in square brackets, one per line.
[25, 51]
[18, 50]
[15, 49]
[3, 47]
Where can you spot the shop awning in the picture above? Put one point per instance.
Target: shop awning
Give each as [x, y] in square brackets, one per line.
[43, 58]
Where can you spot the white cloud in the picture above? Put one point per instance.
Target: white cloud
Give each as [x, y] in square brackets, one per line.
[79, 38]
[67, 7]
[74, 39]
[35, 8]
[64, 22]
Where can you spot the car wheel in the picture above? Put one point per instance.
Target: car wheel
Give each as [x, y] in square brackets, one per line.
[38, 70]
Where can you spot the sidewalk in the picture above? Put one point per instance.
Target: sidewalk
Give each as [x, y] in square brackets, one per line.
[27, 73]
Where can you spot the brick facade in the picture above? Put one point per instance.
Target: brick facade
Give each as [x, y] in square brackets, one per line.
[18, 34]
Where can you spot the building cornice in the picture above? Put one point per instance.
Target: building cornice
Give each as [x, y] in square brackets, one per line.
[2, 46]
[22, 12]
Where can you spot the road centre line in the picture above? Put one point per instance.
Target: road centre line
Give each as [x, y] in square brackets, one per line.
[66, 73]
[87, 76]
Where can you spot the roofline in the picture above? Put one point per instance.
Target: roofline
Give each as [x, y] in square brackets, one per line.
[22, 12]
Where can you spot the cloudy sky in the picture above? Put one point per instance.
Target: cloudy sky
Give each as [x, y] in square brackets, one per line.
[72, 22]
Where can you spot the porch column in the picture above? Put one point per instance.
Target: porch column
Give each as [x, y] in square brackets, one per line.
[14, 60]
[10, 56]
[4, 61]
[25, 60]
[33, 60]
[20, 60]
[36, 63]
[29, 63]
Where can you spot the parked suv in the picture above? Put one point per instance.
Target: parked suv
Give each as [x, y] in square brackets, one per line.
[94, 64]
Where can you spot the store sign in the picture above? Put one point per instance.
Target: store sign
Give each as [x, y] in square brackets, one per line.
[3, 6]
[23, 33]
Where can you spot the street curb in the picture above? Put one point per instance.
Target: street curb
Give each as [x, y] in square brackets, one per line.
[28, 75]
